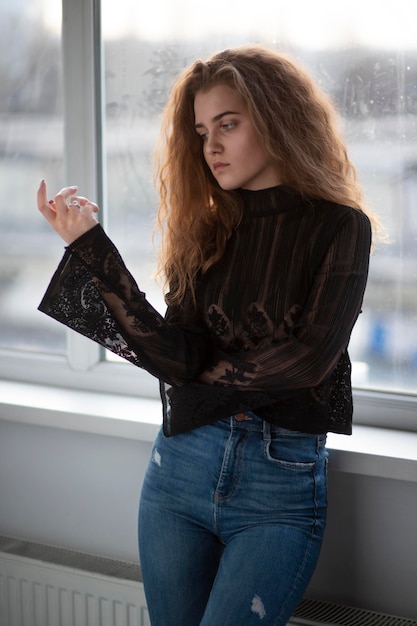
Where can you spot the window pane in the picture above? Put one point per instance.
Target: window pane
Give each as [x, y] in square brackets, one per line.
[365, 58]
[31, 147]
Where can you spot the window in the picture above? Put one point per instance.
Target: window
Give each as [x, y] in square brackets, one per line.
[31, 143]
[366, 59]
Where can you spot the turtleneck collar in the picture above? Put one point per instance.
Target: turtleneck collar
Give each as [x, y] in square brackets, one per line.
[268, 201]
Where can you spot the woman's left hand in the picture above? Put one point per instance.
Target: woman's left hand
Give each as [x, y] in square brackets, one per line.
[69, 219]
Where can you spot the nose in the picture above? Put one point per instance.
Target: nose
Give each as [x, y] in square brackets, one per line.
[213, 144]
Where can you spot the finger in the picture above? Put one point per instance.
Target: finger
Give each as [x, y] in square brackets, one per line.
[81, 200]
[66, 192]
[42, 195]
[45, 207]
[92, 206]
[62, 196]
[85, 203]
[74, 204]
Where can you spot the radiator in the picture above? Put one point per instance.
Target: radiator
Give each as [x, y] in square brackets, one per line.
[315, 613]
[47, 586]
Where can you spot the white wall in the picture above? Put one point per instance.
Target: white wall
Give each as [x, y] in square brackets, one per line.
[70, 489]
[369, 556]
[81, 490]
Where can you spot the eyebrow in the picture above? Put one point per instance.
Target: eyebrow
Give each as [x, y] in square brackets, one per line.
[218, 117]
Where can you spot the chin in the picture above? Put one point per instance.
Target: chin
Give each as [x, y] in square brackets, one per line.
[228, 186]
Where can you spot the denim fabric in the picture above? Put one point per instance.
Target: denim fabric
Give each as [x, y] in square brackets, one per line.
[231, 522]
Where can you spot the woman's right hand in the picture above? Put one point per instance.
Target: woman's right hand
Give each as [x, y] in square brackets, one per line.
[69, 219]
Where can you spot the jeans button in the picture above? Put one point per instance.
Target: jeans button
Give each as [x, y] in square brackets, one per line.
[241, 417]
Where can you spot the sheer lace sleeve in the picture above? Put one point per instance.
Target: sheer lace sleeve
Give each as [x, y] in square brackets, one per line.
[314, 335]
[93, 293]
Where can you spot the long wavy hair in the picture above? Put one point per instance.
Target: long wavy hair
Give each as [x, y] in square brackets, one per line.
[298, 127]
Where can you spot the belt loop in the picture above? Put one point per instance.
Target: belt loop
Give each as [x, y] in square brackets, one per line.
[266, 431]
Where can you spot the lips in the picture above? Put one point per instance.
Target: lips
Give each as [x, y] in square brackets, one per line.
[219, 166]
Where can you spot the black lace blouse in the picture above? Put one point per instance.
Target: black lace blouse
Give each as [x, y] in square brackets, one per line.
[271, 326]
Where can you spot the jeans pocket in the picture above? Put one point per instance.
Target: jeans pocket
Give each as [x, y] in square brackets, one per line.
[293, 450]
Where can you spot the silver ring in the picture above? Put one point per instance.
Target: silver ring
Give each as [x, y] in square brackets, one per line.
[76, 203]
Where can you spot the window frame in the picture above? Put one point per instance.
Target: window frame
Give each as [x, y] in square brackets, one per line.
[84, 366]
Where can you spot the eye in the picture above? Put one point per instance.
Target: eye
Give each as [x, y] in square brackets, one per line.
[228, 126]
[203, 136]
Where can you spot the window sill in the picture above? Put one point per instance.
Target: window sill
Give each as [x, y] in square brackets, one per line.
[83, 411]
[371, 451]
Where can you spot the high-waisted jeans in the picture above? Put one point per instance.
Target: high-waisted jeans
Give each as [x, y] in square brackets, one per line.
[231, 522]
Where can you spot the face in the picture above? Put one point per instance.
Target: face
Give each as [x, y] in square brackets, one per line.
[231, 147]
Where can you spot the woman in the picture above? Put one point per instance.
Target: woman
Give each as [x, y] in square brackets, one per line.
[265, 251]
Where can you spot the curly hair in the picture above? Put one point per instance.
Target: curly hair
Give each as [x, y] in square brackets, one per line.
[298, 126]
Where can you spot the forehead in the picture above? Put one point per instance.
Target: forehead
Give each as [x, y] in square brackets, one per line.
[218, 99]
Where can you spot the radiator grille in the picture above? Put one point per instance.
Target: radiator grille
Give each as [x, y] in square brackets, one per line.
[70, 558]
[315, 613]
[46, 586]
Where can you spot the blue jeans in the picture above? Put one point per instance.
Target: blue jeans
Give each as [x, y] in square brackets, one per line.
[231, 522]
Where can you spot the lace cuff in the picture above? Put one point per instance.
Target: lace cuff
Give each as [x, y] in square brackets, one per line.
[73, 299]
